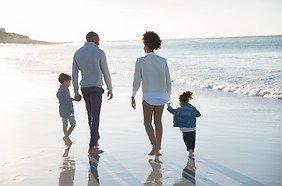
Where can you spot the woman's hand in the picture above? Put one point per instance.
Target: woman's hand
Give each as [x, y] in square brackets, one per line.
[133, 103]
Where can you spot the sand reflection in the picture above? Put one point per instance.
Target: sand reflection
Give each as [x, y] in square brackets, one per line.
[188, 174]
[68, 170]
[156, 175]
[93, 177]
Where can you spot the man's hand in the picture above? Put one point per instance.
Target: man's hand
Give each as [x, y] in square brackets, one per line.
[133, 103]
[77, 98]
[110, 96]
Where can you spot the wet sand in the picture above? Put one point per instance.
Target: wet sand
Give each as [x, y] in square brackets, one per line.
[239, 138]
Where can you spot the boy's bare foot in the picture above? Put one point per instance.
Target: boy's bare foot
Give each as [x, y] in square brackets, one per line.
[67, 141]
[93, 150]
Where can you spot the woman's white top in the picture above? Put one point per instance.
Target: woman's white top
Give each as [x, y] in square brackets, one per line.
[152, 71]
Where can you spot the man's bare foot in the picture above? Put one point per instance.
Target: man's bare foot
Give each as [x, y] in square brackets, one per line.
[97, 145]
[93, 150]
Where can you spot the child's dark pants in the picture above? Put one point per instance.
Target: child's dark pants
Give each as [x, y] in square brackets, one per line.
[189, 139]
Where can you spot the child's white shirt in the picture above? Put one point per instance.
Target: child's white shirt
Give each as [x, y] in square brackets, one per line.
[187, 129]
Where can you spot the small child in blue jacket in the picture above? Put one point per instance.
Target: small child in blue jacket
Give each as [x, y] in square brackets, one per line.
[184, 117]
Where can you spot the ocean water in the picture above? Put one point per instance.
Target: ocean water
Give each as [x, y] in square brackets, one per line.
[245, 65]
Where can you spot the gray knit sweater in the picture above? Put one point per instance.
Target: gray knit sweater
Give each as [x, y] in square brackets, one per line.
[92, 63]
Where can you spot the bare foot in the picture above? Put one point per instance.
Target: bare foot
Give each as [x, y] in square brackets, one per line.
[97, 145]
[154, 151]
[67, 141]
[158, 154]
[93, 150]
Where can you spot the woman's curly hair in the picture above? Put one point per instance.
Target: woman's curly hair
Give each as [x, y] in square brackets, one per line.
[152, 40]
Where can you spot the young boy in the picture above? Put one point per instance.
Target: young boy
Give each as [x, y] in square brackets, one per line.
[66, 107]
[184, 117]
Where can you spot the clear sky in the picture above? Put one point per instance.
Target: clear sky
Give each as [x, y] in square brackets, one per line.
[70, 20]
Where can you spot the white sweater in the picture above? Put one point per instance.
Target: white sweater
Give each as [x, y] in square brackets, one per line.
[153, 72]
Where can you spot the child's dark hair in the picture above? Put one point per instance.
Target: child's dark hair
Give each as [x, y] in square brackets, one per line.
[63, 77]
[152, 40]
[186, 96]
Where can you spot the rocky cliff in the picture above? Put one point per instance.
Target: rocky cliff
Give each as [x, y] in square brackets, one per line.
[6, 37]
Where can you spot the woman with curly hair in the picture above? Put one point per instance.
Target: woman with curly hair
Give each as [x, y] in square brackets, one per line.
[152, 72]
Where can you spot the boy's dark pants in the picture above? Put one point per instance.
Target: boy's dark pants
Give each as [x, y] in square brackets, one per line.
[189, 139]
[93, 101]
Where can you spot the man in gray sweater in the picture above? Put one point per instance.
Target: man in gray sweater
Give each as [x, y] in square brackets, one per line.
[92, 63]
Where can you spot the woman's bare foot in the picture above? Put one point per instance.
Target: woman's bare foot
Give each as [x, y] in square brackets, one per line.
[154, 151]
[158, 154]
[93, 150]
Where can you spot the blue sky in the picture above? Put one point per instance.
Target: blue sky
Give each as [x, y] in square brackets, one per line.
[70, 20]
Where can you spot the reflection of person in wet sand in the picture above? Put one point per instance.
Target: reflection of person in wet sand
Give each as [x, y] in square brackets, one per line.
[155, 177]
[68, 170]
[188, 174]
[189, 171]
[93, 177]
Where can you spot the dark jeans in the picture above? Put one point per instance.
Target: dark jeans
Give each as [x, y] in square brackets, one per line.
[93, 101]
[189, 139]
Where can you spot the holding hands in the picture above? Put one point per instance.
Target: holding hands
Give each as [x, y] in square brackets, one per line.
[77, 98]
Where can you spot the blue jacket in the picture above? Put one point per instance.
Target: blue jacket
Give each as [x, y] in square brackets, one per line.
[65, 103]
[184, 116]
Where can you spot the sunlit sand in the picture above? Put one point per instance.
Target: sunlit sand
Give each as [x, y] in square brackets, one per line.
[239, 138]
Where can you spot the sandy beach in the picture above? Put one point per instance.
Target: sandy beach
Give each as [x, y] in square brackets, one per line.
[239, 137]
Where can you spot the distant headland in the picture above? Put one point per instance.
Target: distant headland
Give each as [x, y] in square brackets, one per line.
[6, 37]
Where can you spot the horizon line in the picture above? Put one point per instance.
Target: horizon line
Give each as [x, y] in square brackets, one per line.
[215, 37]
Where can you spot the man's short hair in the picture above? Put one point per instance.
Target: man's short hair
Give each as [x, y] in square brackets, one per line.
[90, 36]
